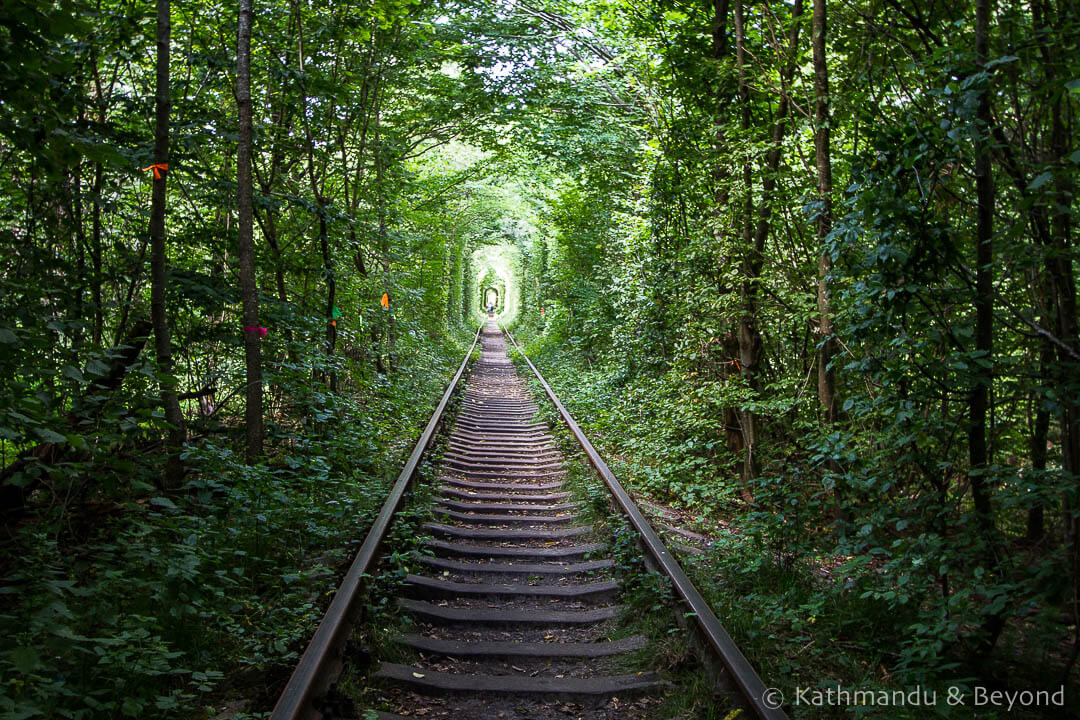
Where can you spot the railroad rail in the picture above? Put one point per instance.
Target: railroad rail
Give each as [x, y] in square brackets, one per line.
[512, 605]
[726, 651]
[314, 674]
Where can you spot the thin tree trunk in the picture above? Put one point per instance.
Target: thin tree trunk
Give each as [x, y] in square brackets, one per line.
[779, 129]
[246, 246]
[99, 186]
[1061, 272]
[748, 338]
[268, 225]
[1052, 230]
[720, 173]
[754, 238]
[384, 244]
[331, 291]
[979, 396]
[133, 285]
[268, 219]
[1036, 527]
[323, 204]
[174, 469]
[75, 210]
[1059, 262]
[822, 152]
[721, 198]
[95, 255]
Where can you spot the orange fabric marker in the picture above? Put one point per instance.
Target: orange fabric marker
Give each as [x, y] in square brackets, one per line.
[158, 169]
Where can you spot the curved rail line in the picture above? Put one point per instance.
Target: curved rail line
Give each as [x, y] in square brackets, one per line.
[321, 661]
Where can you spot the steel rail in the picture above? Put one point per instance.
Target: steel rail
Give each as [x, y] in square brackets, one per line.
[758, 697]
[330, 637]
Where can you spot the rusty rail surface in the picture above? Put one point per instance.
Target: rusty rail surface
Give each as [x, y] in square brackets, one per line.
[310, 678]
[758, 697]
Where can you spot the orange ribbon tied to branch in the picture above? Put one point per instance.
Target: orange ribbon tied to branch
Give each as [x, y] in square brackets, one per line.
[385, 301]
[158, 169]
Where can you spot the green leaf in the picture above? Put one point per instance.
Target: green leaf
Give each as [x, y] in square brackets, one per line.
[1041, 180]
[96, 367]
[49, 436]
[163, 502]
[1001, 61]
[25, 659]
[7, 337]
[1073, 85]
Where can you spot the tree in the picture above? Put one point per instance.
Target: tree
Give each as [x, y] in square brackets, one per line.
[158, 260]
[253, 410]
[823, 161]
[984, 278]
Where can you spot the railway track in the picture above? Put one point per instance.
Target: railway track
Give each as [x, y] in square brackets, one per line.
[513, 603]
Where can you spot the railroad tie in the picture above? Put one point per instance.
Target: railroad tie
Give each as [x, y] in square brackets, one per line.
[513, 609]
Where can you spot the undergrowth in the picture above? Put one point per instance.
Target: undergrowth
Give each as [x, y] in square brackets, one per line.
[379, 631]
[382, 624]
[808, 613]
[139, 603]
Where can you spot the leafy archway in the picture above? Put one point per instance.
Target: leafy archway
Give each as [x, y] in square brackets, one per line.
[492, 298]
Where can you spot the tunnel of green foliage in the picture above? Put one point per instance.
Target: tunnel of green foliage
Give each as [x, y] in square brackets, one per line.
[806, 271]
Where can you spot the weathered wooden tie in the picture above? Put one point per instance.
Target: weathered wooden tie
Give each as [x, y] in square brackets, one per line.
[515, 599]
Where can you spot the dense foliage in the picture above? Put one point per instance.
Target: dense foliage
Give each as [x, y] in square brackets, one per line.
[809, 271]
[875, 385]
[156, 565]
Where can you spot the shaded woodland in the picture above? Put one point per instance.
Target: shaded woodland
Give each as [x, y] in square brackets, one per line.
[805, 270]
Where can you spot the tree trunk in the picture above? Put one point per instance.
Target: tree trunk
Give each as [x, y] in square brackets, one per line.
[1036, 527]
[331, 292]
[323, 203]
[174, 469]
[822, 152]
[384, 243]
[979, 396]
[246, 246]
[269, 229]
[754, 238]
[721, 197]
[1059, 263]
[75, 212]
[748, 339]
[720, 174]
[95, 255]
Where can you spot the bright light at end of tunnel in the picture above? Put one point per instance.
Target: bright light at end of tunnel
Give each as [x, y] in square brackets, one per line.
[496, 280]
